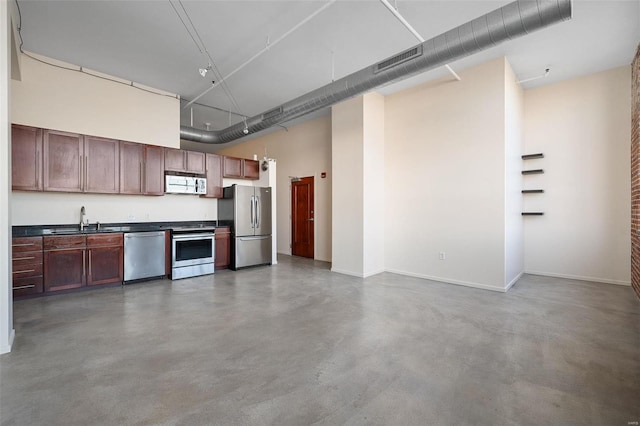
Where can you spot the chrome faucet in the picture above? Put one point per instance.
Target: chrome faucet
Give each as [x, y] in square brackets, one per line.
[83, 213]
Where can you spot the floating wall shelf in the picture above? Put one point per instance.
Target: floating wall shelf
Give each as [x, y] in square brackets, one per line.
[532, 156]
[532, 172]
[532, 191]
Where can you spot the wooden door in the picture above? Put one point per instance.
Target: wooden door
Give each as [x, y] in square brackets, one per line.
[101, 165]
[302, 218]
[105, 265]
[223, 248]
[154, 170]
[63, 161]
[131, 167]
[26, 158]
[214, 176]
[64, 269]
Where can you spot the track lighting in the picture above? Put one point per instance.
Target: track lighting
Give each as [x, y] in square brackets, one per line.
[203, 71]
[245, 131]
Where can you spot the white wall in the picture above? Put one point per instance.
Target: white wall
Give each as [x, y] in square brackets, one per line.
[54, 98]
[373, 184]
[514, 143]
[583, 128]
[445, 179]
[303, 150]
[347, 133]
[6, 295]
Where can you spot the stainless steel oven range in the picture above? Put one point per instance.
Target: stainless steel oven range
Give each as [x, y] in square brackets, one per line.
[192, 252]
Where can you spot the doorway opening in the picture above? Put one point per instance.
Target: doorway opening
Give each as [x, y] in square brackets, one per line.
[302, 217]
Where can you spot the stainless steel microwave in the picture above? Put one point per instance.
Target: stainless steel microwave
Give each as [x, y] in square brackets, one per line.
[185, 185]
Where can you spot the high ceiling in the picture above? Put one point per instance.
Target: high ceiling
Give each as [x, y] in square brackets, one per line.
[148, 42]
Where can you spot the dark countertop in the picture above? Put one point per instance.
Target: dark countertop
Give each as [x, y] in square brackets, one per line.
[105, 228]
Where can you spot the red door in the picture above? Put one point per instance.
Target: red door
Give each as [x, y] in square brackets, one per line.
[302, 217]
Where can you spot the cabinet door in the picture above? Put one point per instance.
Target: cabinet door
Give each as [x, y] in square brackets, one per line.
[63, 161]
[26, 158]
[131, 167]
[64, 269]
[251, 169]
[214, 176]
[106, 265]
[174, 160]
[196, 162]
[101, 165]
[232, 167]
[154, 170]
[223, 248]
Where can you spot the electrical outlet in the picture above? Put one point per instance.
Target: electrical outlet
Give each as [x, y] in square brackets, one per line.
[442, 255]
[131, 216]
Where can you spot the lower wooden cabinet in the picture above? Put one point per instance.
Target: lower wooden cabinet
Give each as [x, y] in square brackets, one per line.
[223, 247]
[27, 266]
[105, 259]
[78, 260]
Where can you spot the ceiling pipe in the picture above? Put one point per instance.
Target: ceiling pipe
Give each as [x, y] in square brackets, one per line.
[257, 55]
[413, 31]
[513, 20]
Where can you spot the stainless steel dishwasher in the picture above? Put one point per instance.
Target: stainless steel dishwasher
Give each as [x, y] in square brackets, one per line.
[144, 255]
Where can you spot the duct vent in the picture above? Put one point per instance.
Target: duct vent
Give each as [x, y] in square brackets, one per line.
[405, 56]
[272, 113]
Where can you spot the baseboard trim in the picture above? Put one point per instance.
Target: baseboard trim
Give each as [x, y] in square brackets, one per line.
[449, 281]
[5, 349]
[580, 278]
[345, 272]
[513, 281]
[376, 272]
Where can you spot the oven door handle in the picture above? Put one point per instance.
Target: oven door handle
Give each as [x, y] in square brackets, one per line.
[193, 236]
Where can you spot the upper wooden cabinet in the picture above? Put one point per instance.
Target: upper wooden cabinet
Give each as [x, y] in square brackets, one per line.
[26, 158]
[77, 163]
[141, 169]
[178, 160]
[241, 168]
[214, 176]
[63, 161]
[101, 165]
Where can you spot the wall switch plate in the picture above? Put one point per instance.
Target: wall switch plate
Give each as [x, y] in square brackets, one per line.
[442, 255]
[131, 216]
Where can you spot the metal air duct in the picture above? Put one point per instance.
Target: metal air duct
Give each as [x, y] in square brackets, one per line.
[508, 22]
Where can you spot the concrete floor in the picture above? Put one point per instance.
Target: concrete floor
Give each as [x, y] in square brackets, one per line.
[295, 344]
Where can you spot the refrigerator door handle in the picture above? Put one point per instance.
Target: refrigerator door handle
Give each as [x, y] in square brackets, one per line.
[258, 212]
[253, 214]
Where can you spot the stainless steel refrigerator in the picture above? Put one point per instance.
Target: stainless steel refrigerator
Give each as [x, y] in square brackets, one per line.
[248, 211]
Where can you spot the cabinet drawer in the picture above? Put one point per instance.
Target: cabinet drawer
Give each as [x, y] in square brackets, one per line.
[22, 271]
[26, 286]
[105, 240]
[65, 242]
[27, 258]
[20, 244]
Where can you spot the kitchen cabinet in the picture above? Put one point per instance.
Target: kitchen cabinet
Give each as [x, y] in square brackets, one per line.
[64, 262]
[77, 163]
[214, 176]
[105, 259]
[26, 158]
[223, 247]
[63, 161]
[101, 165]
[141, 169]
[241, 168]
[178, 160]
[27, 266]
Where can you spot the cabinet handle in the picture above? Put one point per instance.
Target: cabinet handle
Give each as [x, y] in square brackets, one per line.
[89, 260]
[22, 287]
[84, 258]
[24, 258]
[23, 245]
[81, 171]
[37, 169]
[86, 178]
[140, 177]
[24, 272]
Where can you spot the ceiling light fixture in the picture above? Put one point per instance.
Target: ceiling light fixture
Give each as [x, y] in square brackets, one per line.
[246, 128]
[203, 71]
